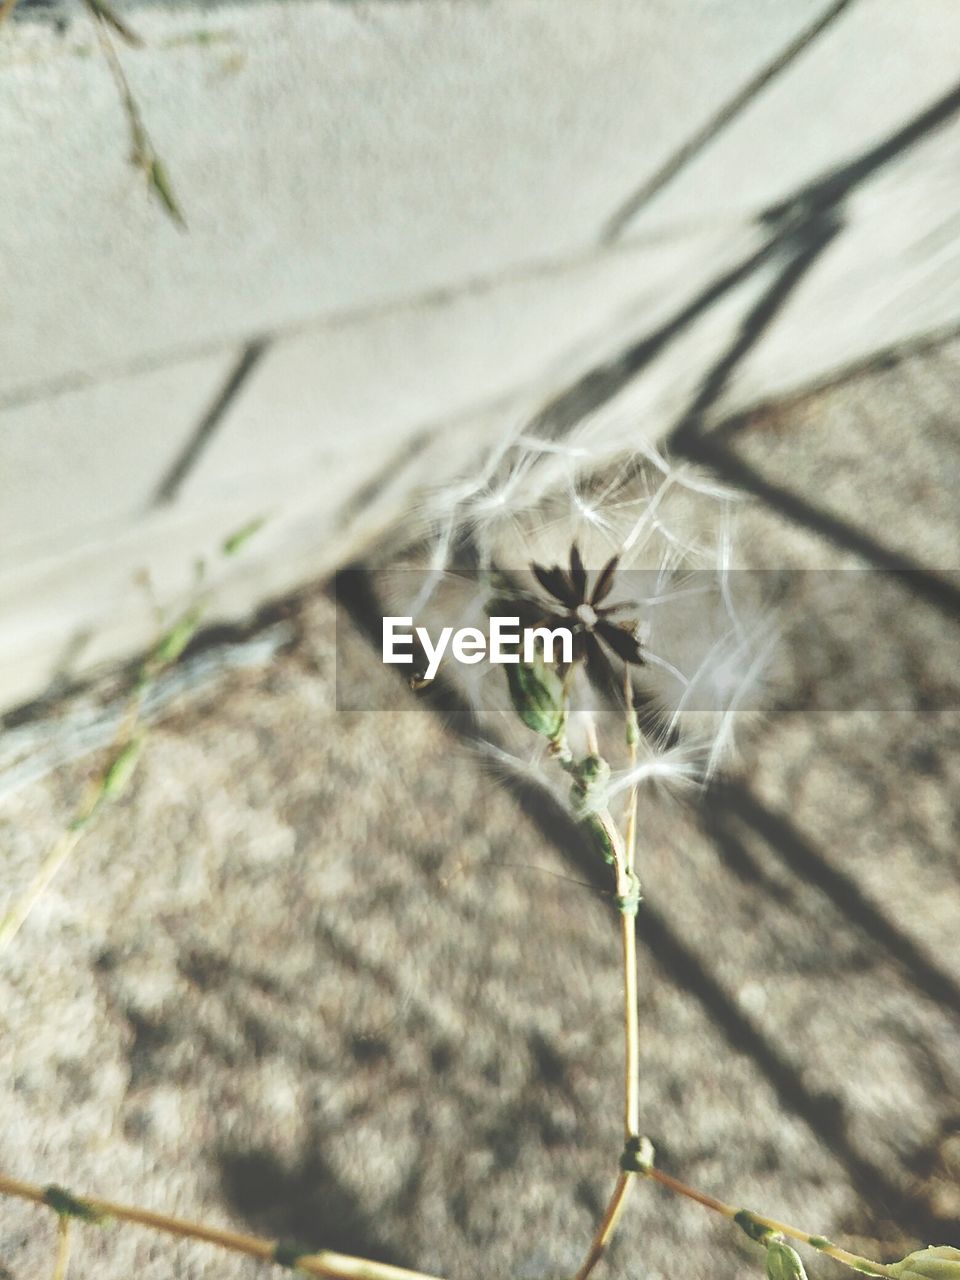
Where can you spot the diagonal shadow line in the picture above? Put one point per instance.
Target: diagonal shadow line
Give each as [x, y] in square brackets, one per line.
[171, 483]
[798, 241]
[832, 187]
[823, 1113]
[928, 346]
[800, 228]
[689, 440]
[817, 235]
[811, 219]
[617, 223]
[926, 584]
[807, 862]
[595, 388]
[816, 207]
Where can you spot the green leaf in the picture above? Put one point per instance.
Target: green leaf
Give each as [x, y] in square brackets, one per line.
[159, 182]
[237, 541]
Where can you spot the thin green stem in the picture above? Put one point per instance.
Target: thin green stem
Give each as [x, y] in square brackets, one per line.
[756, 1225]
[107, 786]
[628, 931]
[633, 738]
[631, 1114]
[142, 151]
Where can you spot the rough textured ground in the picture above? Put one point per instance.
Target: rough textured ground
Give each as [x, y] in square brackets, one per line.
[321, 975]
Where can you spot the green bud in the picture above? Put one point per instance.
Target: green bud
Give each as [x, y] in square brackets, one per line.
[936, 1262]
[784, 1263]
[588, 795]
[590, 778]
[537, 695]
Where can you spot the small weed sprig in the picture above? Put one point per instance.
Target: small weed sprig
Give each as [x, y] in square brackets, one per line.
[940, 1262]
[109, 784]
[112, 780]
[143, 154]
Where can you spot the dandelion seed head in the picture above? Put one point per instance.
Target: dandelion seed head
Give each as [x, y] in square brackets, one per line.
[705, 632]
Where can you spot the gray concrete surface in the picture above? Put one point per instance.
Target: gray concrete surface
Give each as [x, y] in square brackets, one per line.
[321, 974]
[410, 148]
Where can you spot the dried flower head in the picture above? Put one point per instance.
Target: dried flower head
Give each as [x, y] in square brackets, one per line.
[585, 613]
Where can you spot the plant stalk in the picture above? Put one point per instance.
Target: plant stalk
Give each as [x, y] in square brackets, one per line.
[608, 1224]
[631, 1028]
[15, 918]
[865, 1266]
[332, 1266]
[62, 1263]
[754, 1223]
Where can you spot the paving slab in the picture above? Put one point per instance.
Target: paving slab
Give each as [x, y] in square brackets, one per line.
[866, 76]
[873, 462]
[331, 435]
[345, 398]
[333, 157]
[73, 611]
[399, 307]
[92, 458]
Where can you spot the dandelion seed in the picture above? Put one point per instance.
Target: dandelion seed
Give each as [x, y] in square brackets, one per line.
[536, 445]
[655, 660]
[682, 765]
[529, 769]
[723, 740]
